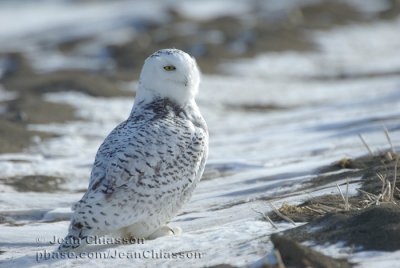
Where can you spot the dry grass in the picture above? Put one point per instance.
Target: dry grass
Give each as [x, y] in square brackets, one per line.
[366, 145]
[345, 197]
[388, 188]
[266, 217]
[316, 207]
[394, 188]
[389, 139]
[279, 258]
[281, 215]
[344, 202]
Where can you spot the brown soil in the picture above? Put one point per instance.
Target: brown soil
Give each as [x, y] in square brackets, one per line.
[36, 183]
[30, 108]
[294, 254]
[238, 39]
[289, 32]
[367, 224]
[316, 207]
[256, 107]
[366, 167]
[373, 228]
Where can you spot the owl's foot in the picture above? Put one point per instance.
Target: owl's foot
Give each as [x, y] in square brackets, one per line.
[165, 230]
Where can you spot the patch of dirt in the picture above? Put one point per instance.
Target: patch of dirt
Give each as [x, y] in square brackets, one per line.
[224, 38]
[222, 266]
[371, 181]
[21, 217]
[367, 167]
[316, 207]
[14, 136]
[94, 84]
[216, 40]
[373, 228]
[364, 162]
[294, 254]
[371, 221]
[327, 178]
[211, 41]
[30, 108]
[256, 107]
[392, 12]
[36, 183]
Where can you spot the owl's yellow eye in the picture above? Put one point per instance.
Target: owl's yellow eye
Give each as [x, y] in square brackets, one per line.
[169, 68]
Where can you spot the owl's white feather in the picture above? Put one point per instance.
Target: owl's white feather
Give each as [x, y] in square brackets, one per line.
[149, 165]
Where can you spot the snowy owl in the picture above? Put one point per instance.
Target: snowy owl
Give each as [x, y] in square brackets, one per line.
[149, 165]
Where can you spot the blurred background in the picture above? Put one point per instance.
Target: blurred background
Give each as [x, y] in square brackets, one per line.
[98, 47]
[287, 88]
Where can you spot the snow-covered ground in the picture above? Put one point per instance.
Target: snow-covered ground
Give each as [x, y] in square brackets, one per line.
[255, 154]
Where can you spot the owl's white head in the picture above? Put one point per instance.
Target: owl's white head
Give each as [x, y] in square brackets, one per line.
[169, 73]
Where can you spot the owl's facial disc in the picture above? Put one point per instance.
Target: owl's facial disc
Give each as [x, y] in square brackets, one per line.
[170, 73]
